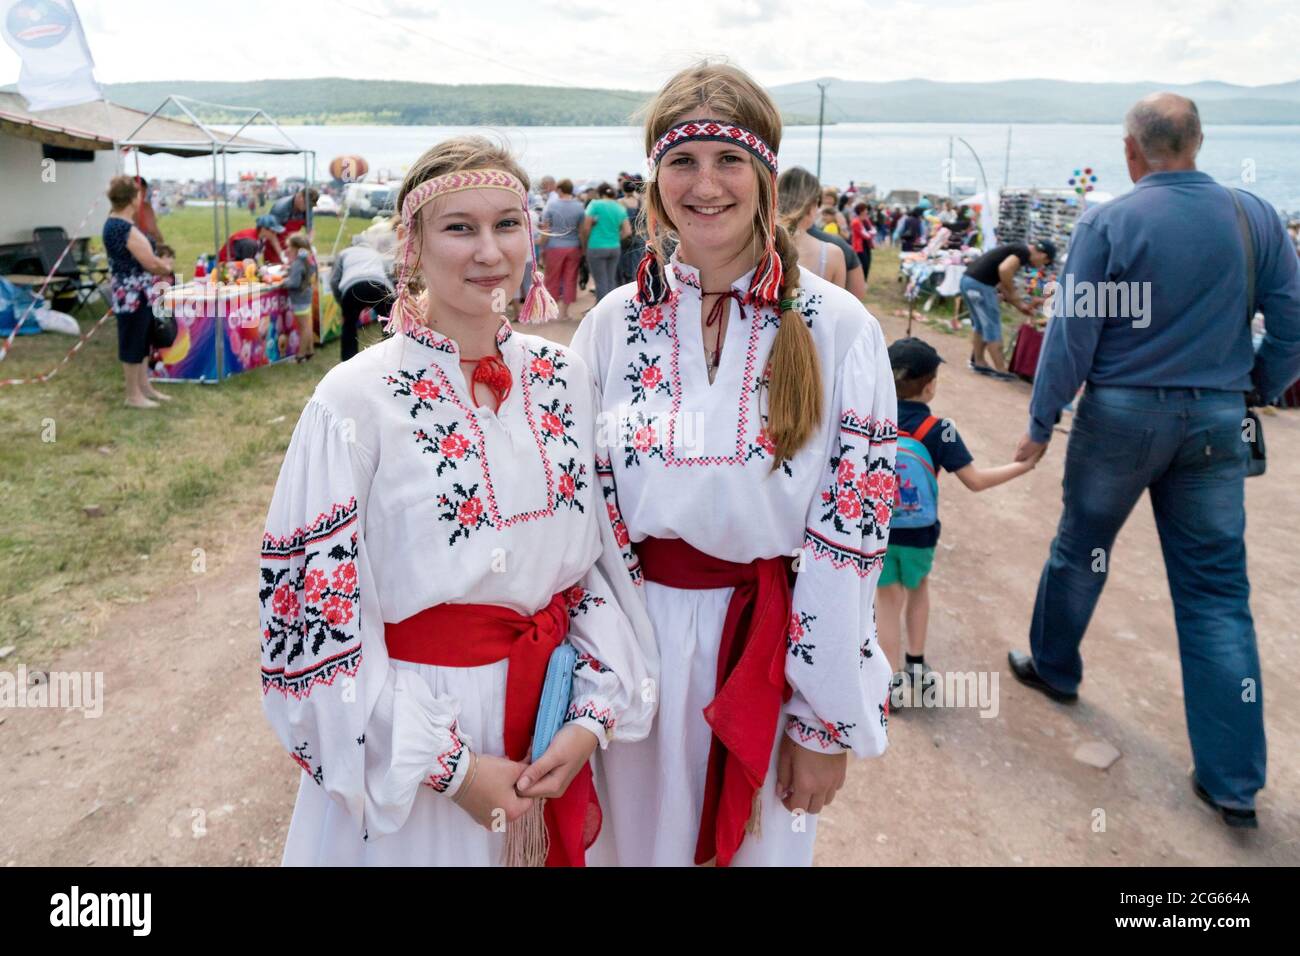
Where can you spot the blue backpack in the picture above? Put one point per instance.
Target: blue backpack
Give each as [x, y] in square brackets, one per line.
[916, 494]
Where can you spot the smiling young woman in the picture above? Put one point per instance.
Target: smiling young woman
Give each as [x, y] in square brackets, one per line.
[434, 534]
[752, 480]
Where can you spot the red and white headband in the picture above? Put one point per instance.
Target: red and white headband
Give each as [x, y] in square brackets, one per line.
[714, 131]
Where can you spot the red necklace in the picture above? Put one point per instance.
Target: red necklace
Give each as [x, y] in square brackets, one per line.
[493, 374]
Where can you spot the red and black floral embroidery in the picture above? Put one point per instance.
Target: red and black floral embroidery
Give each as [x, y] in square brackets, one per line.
[641, 437]
[447, 445]
[796, 637]
[643, 321]
[425, 391]
[646, 377]
[587, 662]
[828, 736]
[544, 366]
[589, 709]
[556, 422]
[860, 496]
[445, 763]
[310, 597]
[464, 509]
[580, 601]
[743, 411]
[572, 480]
[302, 757]
[763, 447]
[605, 475]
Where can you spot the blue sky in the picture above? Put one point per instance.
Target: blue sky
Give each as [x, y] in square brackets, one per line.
[600, 43]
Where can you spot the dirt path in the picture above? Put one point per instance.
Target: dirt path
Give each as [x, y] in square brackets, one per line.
[182, 769]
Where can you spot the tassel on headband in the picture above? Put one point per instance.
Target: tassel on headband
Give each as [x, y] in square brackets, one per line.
[765, 286]
[407, 315]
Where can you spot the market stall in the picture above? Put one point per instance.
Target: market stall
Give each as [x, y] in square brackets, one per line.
[227, 322]
[223, 329]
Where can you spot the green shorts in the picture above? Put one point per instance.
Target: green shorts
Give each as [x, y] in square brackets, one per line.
[907, 566]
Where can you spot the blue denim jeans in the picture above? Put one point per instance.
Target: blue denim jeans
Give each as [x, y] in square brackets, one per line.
[985, 308]
[1186, 446]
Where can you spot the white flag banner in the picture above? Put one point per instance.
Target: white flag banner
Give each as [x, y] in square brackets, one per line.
[57, 68]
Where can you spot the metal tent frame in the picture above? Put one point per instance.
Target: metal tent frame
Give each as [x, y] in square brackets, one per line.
[216, 143]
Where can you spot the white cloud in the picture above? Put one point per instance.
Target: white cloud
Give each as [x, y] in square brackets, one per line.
[638, 46]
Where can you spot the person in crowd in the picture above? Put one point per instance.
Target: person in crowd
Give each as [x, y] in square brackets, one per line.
[992, 273]
[927, 446]
[862, 234]
[831, 198]
[401, 669]
[545, 190]
[828, 220]
[797, 197]
[603, 230]
[300, 284]
[854, 280]
[1169, 380]
[145, 218]
[262, 240]
[134, 269]
[562, 245]
[359, 281]
[634, 244]
[909, 232]
[291, 211]
[771, 678]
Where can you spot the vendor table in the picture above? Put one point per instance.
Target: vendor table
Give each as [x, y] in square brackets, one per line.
[222, 330]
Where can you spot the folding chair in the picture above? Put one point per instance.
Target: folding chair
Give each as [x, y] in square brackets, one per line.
[70, 278]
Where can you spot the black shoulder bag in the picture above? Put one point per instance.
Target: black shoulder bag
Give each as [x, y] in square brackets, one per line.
[1258, 455]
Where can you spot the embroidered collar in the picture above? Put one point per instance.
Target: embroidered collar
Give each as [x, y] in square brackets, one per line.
[681, 276]
[442, 343]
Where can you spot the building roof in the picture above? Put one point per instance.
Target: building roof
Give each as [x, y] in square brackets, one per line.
[102, 125]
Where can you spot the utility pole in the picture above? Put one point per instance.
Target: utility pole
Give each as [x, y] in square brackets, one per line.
[821, 119]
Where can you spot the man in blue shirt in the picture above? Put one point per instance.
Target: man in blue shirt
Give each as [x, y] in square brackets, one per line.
[1152, 315]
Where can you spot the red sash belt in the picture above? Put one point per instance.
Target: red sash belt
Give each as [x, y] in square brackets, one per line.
[751, 687]
[472, 635]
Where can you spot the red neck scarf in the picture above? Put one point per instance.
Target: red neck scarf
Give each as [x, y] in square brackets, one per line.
[492, 373]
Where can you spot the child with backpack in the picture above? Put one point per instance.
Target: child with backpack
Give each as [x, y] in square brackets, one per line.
[926, 444]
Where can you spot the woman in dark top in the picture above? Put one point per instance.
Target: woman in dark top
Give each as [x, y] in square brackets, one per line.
[132, 267]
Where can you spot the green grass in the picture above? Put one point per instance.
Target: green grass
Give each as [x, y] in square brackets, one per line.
[168, 480]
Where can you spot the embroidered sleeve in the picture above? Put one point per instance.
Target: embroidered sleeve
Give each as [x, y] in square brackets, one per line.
[365, 731]
[840, 675]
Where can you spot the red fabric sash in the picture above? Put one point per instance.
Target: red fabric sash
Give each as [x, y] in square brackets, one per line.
[751, 686]
[471, 635]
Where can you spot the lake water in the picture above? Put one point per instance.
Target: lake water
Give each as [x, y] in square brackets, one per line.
[1263, 159]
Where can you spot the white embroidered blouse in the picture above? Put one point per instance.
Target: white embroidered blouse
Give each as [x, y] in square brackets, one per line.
[397, 494]
[692, 460]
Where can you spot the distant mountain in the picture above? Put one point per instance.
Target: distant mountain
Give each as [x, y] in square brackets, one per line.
[1033, 101]
[338, 100]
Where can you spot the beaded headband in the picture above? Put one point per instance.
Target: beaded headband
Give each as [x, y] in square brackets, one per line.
[765, 286]
[408, 314]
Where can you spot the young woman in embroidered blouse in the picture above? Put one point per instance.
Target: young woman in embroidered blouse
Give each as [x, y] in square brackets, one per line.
[756, 447]
[434, 533]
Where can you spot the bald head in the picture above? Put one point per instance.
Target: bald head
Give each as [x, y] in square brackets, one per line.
[1167, 130]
